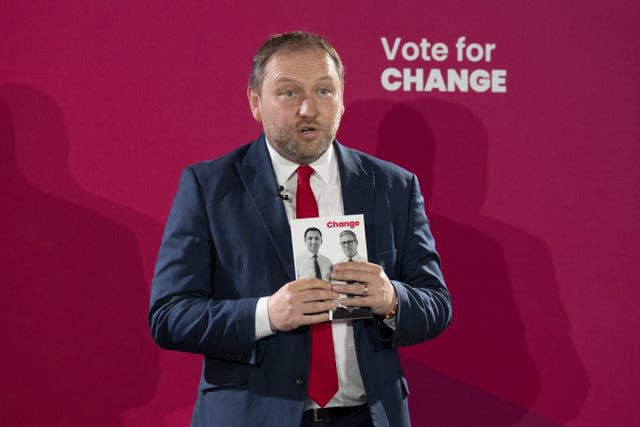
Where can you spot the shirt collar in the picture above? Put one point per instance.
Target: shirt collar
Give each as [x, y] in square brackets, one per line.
[284, 168]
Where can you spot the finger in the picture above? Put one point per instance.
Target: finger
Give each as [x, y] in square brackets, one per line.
[353, 289]
[357, 302]
[317, 307]
[318, 295]
[311, 319]
[307, 283]
[361, 276]
[356, 266]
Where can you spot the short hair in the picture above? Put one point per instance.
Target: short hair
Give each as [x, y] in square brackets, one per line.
[348, 232]
[294, 41]
[311, 229]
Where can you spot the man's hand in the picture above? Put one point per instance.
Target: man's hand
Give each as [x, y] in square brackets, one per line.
[304, 301]
[372, 288]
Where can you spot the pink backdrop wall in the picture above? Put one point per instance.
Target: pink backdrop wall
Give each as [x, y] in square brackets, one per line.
[532, 193]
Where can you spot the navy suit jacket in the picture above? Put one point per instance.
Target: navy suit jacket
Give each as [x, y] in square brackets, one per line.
[227, 243]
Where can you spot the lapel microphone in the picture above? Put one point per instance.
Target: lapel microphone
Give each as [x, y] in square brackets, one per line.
[281, 196]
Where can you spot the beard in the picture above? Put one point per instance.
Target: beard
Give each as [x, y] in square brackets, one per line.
[290, 144]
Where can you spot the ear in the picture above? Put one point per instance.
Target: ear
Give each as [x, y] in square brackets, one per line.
[254, 103]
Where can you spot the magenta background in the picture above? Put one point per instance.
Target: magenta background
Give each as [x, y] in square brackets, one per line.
[533, 197]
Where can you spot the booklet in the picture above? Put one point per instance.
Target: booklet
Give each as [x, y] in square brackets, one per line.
[319, 243]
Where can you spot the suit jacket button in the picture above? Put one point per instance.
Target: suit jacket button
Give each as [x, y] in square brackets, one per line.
[301, 380]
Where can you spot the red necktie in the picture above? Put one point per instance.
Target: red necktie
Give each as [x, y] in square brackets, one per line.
[323, 376]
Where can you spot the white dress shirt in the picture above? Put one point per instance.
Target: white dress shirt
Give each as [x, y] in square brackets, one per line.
[356, 257]
[325, 183]
[305, 264]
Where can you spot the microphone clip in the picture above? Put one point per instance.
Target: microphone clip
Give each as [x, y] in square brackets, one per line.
[281, 196]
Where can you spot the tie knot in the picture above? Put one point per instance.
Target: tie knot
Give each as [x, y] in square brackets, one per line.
[304, 172]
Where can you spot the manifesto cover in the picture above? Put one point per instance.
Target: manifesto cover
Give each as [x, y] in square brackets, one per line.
[319, 243]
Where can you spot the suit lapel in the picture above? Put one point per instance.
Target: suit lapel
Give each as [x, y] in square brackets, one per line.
[357, 184]
[256, 173]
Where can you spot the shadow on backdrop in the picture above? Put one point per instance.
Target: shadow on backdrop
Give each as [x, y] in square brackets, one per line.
[488, 368]
[75, 277]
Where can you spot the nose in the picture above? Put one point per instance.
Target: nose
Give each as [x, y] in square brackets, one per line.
[308, 108]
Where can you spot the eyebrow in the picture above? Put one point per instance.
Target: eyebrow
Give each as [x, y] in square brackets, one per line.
[290, 80]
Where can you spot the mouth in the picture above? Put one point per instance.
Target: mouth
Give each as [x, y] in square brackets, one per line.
[307, 129]
[309, 133]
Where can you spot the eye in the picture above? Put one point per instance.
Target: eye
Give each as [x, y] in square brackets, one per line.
[324, 91]
[288, 93]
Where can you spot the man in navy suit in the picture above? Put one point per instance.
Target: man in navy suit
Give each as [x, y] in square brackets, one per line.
[225, 286]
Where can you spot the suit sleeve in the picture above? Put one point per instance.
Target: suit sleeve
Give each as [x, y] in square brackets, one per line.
[424, 303]
[183, 314]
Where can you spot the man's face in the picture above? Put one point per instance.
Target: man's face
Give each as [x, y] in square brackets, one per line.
[313, 240]
[349, 245]
[300, 104]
